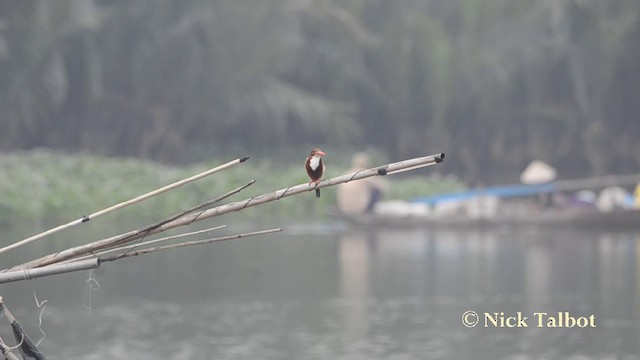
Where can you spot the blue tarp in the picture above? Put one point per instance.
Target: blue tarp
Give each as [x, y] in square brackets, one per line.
[506, 191]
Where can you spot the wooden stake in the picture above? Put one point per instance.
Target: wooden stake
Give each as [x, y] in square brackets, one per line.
[122, 205]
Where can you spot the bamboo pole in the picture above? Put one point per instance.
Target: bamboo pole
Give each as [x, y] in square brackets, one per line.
[7, 352]
[294, 190]
[126, 247]
[26, 346]
[123, 204]
[94, 261]
[231, 207]
[27, 274]
[117, 240]
[187, 243]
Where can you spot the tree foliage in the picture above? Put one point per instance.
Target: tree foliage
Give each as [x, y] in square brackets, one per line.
[492, 83]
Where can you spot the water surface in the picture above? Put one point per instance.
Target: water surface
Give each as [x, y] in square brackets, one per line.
[321, 293]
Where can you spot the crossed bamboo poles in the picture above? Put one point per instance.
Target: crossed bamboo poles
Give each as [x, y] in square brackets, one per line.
[130, 244]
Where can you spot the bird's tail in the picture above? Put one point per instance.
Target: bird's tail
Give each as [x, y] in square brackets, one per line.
[318, 193]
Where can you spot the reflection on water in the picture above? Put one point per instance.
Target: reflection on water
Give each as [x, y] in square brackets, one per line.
[383, 294]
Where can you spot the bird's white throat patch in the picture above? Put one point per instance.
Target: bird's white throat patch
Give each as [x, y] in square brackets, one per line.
[315, 161]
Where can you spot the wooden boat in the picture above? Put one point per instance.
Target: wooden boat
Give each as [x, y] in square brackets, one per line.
[628, 219]
[510, 205]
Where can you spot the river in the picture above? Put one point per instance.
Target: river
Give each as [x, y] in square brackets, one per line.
[329, 292]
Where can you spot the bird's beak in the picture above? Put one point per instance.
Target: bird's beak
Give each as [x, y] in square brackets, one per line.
[320, 152]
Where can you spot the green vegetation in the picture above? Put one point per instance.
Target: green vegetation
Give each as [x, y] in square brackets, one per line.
[417, 186]
[45, 188]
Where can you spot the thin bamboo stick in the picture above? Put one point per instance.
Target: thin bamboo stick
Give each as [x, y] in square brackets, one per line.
[27, 274]
[231, 207]
[122, 205]
[95, 262]
[187, 243]
[117, 240]
[126, 247]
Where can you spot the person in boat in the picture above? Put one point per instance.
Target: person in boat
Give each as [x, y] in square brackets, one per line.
[360, 197]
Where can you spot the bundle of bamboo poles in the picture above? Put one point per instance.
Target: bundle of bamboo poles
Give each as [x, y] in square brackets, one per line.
[131, 243]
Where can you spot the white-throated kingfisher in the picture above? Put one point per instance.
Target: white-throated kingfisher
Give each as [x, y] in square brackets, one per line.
[315, 167]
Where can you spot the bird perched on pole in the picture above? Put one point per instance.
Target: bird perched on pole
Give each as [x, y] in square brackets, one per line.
[315, 167]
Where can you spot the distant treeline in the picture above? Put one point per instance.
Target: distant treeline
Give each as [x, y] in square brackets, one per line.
[492, 83]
